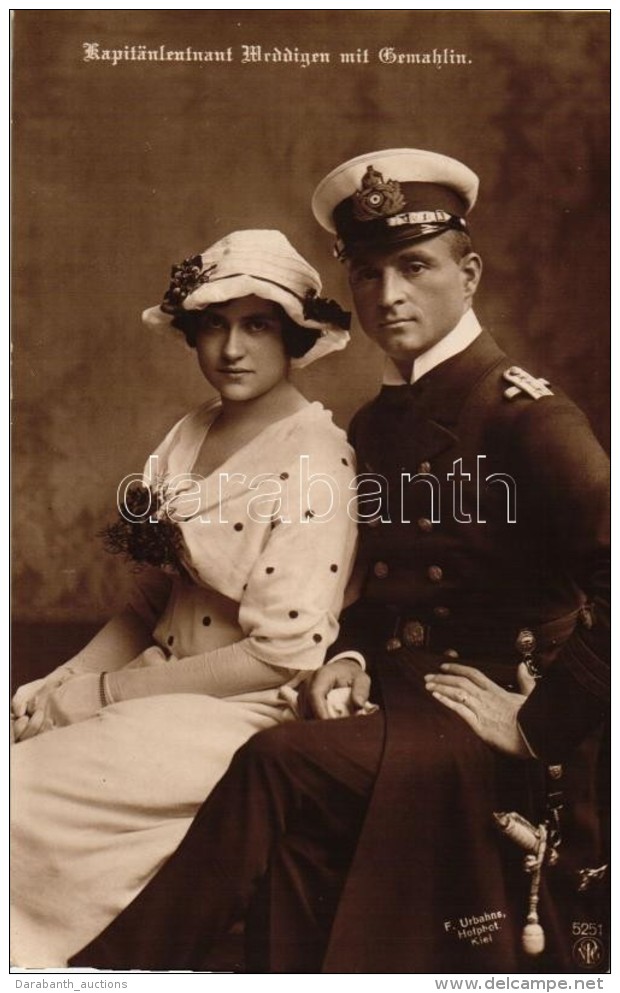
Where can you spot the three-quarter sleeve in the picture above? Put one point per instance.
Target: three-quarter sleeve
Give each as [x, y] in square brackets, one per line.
[295, 589]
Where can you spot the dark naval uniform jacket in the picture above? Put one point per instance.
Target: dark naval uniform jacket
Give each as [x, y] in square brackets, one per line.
[485, 541]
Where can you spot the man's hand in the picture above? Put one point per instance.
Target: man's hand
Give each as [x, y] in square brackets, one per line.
[489, 710]
[344, 672]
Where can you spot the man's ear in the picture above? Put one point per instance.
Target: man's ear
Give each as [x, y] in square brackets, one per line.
[471, 270]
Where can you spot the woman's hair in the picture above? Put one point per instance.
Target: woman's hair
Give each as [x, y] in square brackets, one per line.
[297, 340]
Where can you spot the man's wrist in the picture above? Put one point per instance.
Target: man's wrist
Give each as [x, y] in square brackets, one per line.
[350, 657]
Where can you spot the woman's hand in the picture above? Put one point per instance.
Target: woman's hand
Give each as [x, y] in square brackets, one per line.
[75, 700]
[314, 691]
[26, 720]
[30, 696]
[28, 725]
[25, 695]
[489, 710]
[29, 702]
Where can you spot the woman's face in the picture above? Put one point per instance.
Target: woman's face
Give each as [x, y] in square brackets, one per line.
[240, 347]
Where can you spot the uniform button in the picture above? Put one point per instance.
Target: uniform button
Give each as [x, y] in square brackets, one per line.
[425, 525]
[381, 570]
[452, 654]
[434, 573]
[413, 634]
[393, 644]
[424, 466]
[441, 613]
[555, 771]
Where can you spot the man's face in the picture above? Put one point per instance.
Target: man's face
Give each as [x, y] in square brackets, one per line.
[409, 298]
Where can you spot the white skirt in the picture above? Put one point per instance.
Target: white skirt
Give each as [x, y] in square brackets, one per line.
[98, 806]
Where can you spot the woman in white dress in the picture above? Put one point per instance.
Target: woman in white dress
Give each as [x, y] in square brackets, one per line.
[244, 529]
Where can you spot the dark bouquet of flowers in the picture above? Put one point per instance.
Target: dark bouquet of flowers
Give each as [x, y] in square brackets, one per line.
[143, 532]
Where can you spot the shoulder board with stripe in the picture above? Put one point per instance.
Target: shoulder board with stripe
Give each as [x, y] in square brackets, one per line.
[523, 382]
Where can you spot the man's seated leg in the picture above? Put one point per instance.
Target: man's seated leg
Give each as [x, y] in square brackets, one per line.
[314, 776]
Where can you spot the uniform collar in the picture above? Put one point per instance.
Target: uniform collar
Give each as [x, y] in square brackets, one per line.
[422, 418]
[457, 340]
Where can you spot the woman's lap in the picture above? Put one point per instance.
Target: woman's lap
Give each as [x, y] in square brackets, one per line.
[98, 806]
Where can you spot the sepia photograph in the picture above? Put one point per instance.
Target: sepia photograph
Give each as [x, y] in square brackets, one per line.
[310, 640]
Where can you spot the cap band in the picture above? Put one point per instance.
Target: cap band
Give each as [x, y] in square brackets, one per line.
[396, 234]
[424, 217]
[393, 212]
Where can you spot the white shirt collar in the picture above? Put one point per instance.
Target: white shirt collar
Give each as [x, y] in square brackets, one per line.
[457, 340]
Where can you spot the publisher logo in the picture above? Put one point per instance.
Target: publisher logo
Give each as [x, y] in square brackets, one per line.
[588, 952]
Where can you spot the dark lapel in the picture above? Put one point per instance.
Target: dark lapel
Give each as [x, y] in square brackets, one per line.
[420, 420]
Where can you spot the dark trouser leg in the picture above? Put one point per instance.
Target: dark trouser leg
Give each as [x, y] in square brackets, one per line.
[311, 778]
[289, 924]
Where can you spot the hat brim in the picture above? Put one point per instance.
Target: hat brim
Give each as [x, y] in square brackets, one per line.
[331, 338]
[391, 238]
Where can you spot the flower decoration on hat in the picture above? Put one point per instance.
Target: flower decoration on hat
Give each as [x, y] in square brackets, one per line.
[255, 262]
[186, 276]
[324, 311]
[377, 197]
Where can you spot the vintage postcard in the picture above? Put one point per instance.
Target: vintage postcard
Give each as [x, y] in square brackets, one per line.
[175, 275]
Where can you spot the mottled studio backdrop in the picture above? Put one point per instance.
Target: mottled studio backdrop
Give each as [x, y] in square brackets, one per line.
[120, 170]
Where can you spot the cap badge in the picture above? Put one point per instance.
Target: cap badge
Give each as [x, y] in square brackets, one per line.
[377, 197]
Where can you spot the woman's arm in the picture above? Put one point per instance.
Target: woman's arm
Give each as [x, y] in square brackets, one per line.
[118, 642]
[126, 635]
[222, 672]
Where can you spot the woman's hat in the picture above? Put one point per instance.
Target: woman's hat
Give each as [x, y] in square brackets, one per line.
[263, 264]
[382, 199]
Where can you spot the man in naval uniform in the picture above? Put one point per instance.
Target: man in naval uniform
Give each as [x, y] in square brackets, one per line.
[394, 841]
